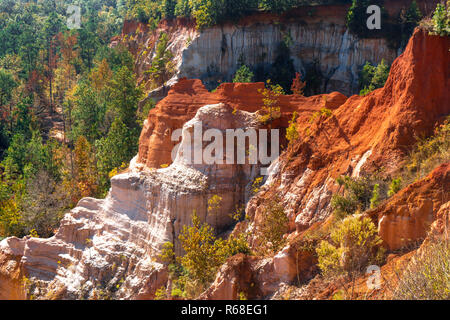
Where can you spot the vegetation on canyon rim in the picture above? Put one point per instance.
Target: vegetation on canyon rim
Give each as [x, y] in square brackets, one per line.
[396, 29]
[208, 13]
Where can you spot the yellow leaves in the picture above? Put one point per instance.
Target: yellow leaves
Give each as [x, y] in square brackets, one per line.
[237, 215]
[118, 170]
[167, 254]
[274, 226]
[101, 75]
[353, 241]
[113, 173]
[429, 153]
[161, 293]
[204, 253]
[322, 112]
[85, 171]
[11, 220]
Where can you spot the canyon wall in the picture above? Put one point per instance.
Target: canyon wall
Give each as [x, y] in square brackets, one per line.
[109, 248]
[317, 36]
[364, 134]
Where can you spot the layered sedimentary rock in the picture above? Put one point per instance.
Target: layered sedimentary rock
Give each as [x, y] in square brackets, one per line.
[362, 135]
[317, 38]
[408, 216]
[110, 246]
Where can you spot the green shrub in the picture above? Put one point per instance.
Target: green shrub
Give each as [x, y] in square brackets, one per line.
[162, 65]
[429, 153]
[203, 255]
[270, 99]
[375, 200]
[395, 186]
[441, 18]
[372, 77]
[322, 112]
[343, 206]
[201, 258]
[274, 225]
[357, 17]
[167, 254]
[357, 195]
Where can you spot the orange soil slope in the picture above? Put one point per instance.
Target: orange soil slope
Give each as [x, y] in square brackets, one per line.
[187, 96]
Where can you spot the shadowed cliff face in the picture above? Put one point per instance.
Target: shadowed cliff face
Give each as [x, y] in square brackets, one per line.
[316, 42]
[317, 38]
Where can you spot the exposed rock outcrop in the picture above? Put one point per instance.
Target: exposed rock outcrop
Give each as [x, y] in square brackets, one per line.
[363, 135]
[111, 245]
[408, 216]
[319, 39]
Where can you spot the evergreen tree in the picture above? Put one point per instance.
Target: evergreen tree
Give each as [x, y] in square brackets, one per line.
[87, 114]
[7, 84]
[117, 148]
[124, 97]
